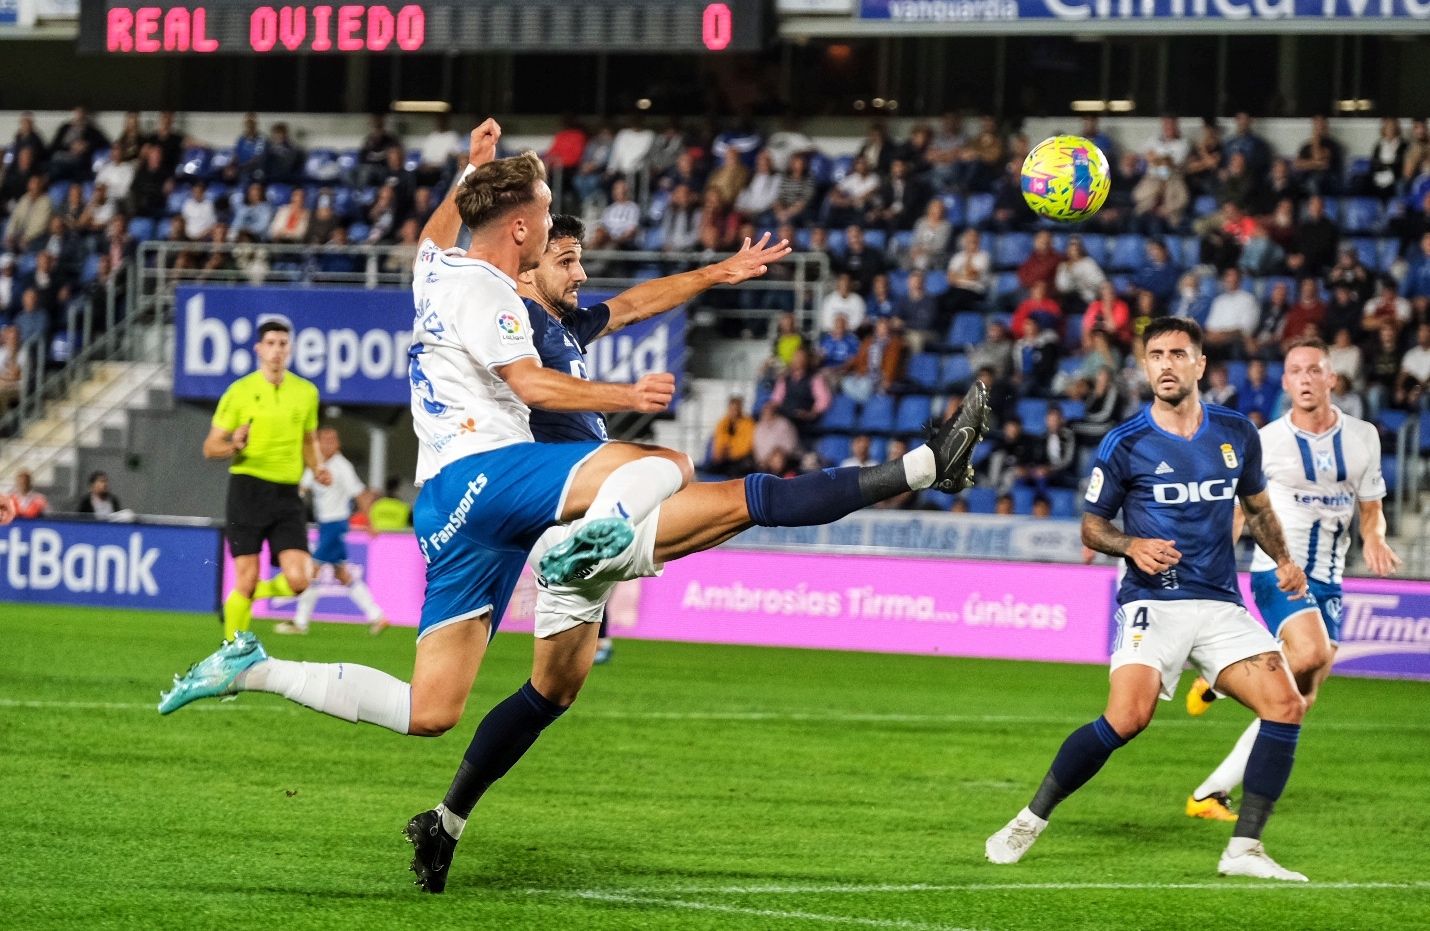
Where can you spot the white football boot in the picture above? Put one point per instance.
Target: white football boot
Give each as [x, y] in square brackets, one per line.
[1009, 844]
[1252, 861]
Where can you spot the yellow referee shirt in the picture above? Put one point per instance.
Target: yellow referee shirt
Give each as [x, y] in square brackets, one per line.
[280, 416]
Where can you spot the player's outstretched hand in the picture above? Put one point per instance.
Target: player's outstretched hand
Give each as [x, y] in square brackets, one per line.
[653, 393]
[1291, 579]
[1380, 558]
[482, 147]
[752, 261]
[1154, 556]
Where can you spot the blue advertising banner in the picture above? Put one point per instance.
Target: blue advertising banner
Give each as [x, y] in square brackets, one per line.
[353, 343]
[9, 12]
[1150, 12]
[111, 565]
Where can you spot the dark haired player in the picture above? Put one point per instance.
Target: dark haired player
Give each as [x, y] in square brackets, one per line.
[1174, 471]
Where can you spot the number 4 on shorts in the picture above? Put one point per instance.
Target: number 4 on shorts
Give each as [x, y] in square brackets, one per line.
[1139, 620]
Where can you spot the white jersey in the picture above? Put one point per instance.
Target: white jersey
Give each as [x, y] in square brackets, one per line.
[333, 502]
[1314, 482]
[469, 321]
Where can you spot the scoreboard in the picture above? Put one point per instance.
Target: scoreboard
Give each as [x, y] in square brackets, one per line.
[246, 27]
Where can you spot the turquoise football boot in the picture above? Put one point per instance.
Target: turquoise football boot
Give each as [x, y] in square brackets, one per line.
[577, 555]
[214, 675]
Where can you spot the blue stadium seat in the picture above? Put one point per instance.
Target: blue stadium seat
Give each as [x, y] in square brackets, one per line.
[279, 193]
[1032, 411]
[1360, 215]
[1072, 334]
[1023, 499]
[821, 168]
[1392, 475]
[954, 205]
[839, 417]
[58, 192]
[1012, 249]
[967, 329]
[358, 232]
[1064, 502]
[937, 500]
[878, 447]
[923, 370]
[141, 228]
[832, 449]
[841, 167]
[321, 165]
[1191, 251]
[1073, 410]
[902, 242]
[1069, 365]
[1203, 205]
[653, 238]
[347, 162]
[877, 240]
[1391, 420]
[762, 397]
[801, 239]
[219, 161]
[1127, 253]
[981, 500]
[956, 373]
[981, 452]
[1387, 251]
[91, 268]
[177, 196]
[1236, 374]
[899, 283]
[1096, 245]
[195, 161]
[877, 416]
[837, 242]
[1005, 283]
[980, 209]
[936, 284]
[913, 413]
[1333, 209]
[412, 159]
[25, 264]
[1425, 433]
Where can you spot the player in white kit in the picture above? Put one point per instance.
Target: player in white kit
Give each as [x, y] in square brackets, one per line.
[332, 507]
[1322, 471]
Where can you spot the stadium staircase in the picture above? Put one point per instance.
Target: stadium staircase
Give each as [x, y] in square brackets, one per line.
[93, 414]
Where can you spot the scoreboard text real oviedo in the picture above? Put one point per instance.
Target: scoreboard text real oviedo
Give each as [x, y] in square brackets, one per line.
[249, 27]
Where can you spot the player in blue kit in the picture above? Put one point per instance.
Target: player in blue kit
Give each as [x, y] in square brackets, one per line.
[1173, 471]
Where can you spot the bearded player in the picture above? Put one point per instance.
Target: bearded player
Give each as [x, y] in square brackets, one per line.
[1322, 468]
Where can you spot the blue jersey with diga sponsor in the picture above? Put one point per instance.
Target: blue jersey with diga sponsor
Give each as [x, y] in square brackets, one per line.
[562, 346]
[1184, 490]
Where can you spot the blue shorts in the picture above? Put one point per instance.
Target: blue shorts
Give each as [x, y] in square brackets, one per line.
[477, 519]
[1276, 606]
[332, 545]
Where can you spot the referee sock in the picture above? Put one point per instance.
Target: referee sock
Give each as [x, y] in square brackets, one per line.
[343, 690]
[1078, 760]
[506, 733]
[276, 587]
[632, 491]
[1267, 771]
[237, 613]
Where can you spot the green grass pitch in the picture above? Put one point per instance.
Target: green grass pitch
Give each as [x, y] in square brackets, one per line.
[692, 787]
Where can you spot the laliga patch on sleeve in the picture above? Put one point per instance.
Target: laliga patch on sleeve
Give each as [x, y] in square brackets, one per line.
[509, 328]
[1094, 485]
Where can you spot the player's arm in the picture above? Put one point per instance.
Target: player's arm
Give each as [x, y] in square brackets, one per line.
[656, 297]
[1381, 559]
[445, 223]
[551, 390]
[1265, 529]
[313, 459]
[1151, 556]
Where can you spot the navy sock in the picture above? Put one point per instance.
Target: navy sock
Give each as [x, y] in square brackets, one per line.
[506, 733]
[807, 500]
[1267, 770]
[1078, 760]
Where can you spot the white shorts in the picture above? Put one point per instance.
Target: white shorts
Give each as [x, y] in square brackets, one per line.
[1167, 634]
[582, 601]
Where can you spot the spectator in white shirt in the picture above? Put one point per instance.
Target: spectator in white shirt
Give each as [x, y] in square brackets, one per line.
[290, 222]
[198, 212]
[620, 222]
[440, 150]
[970, 274]
[1161, 197]
[1233, 315]
[116, 174]
[859, 457]
[842, 300]
[758, 197]
[854, 194]
[630, 148]
[1078, 275]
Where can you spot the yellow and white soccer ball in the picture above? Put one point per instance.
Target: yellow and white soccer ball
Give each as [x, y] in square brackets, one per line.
[1066, 178]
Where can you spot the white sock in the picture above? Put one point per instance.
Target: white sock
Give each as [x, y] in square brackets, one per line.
[1238, 846]
[919, 467]
[1027, 815]
[362, 597]
[343, 690]
[635, 489]
[452, 824]
[1232, 770]
[306, 603]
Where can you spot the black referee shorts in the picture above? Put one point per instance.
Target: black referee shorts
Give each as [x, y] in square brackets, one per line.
[258, 510]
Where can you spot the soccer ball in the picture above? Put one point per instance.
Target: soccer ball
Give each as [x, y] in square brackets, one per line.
[1065, 178]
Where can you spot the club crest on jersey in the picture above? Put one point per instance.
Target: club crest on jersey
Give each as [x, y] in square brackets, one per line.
[1228, 455]
[1324, 462]
[510, 326]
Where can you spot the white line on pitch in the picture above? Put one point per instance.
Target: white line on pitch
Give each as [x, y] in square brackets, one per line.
[812, 717]
[620, 898]
[890, 888]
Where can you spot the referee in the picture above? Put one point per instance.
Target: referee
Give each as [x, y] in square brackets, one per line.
[267, 424]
